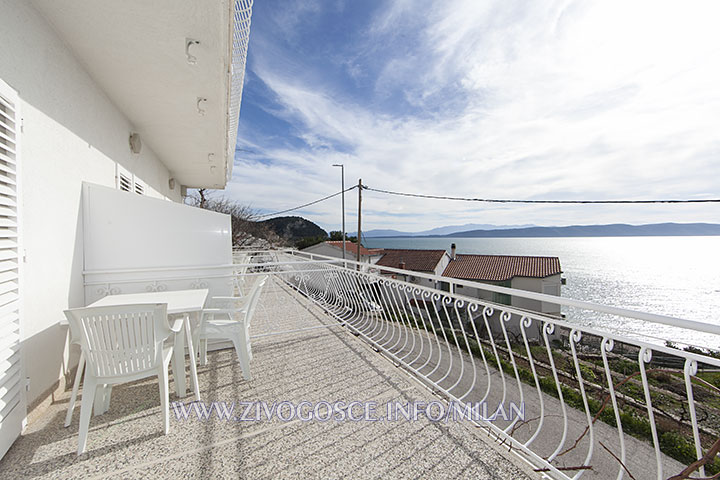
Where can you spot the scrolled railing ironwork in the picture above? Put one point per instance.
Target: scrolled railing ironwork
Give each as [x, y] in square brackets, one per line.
[593, 400]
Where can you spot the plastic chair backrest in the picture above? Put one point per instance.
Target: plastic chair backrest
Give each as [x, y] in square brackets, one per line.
[120, 340]
[240, 259]
[254, 298]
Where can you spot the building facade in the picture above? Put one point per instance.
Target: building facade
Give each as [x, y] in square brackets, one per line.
[431, 262]
[104, 94]
[533, 274]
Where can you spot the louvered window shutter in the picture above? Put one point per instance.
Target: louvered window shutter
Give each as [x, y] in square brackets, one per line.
[125, 183]
[12, 394]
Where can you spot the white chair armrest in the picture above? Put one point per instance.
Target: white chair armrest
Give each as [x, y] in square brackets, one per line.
[176, 325]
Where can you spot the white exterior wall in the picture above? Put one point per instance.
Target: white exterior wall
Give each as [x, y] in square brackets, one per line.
[529, 284]
[442, 265]
[375, 258]
[474, 293]
[536, 285]
[71, 133]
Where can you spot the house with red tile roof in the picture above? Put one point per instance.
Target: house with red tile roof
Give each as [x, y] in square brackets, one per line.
[535, 274]
[334, 249]
[431, 262]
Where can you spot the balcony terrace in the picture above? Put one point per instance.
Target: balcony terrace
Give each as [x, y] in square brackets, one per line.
[321, 364]
[324, 333]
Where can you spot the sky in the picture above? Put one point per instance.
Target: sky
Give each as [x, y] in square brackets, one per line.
[505, 99]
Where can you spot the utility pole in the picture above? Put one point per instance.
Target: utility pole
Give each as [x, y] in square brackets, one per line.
[342, 172]
[359, 230]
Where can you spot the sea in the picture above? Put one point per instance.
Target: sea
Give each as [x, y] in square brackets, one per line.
[673, 276]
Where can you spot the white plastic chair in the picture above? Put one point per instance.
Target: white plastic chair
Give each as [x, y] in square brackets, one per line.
[224, 308]
[121, 344]
[234, 327]
[239, 272]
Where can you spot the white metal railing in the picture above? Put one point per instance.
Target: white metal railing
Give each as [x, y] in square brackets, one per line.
[595, 403]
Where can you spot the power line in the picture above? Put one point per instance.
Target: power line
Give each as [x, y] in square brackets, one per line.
[494, 200]
[308, 204]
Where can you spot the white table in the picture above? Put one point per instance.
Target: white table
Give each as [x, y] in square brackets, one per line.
[179, 302]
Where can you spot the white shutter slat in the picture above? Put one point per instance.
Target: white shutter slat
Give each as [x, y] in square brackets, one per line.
[9, 323]
[13, 402]
[11, 410]
[7, 212]
[6, 287]
[8, 309]
[8, 222]
[6, 158]
[7, 179]
[9, 395]
[9, 383]
[7, 146]
[7, 190]
[8, 351]
[8, 276]
[10, 376]
[7, 255]
[7, 298]
[12, 414]
[7, 168]
[7, 243]
[7, 344]
[7, 104]
[7, 139]
[6, 124]
[6, 265]
[10, 367]
[8, 117]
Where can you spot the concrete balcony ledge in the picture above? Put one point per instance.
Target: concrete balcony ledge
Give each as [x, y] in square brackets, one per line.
[325, 364]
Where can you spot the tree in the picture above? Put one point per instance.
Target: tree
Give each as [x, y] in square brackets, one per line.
[336, 236]
[308, 242]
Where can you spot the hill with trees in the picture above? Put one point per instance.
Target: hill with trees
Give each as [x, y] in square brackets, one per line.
[296, 231]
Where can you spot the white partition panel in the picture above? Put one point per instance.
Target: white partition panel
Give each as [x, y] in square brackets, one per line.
[134, 243]
[125, 230]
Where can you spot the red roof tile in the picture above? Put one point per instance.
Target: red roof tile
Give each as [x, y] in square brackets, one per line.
[416, 260]
[350, 247]
[498, 268]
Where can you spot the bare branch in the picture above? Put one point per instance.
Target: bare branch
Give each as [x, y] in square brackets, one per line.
[709, 457]
[618, 460]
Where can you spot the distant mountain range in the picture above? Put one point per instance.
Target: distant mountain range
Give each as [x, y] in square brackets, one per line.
[612, 230]
[439, 231]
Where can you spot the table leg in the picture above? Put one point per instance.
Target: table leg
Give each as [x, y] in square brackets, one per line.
[179, 364]
[193, 358]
